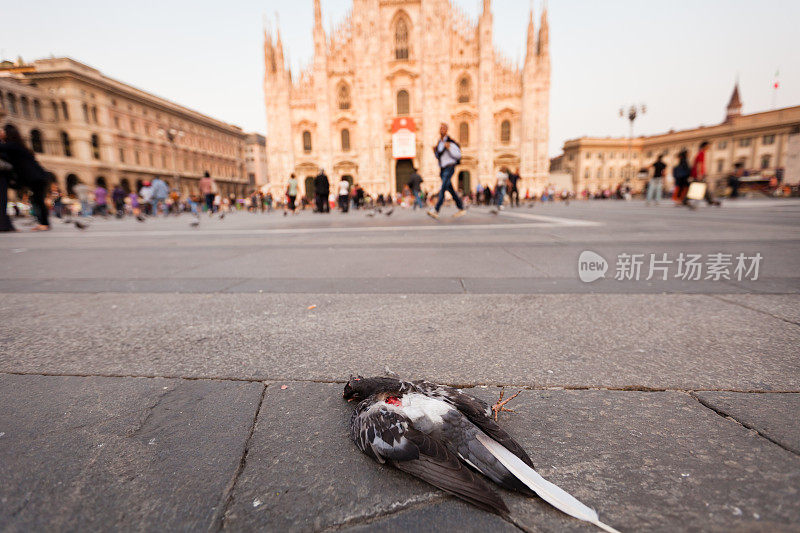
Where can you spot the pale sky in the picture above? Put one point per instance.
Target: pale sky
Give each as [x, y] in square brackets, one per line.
[680, 57]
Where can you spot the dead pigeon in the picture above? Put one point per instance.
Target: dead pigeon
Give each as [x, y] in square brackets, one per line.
[80, 225]
[389, 212]
[437, 433]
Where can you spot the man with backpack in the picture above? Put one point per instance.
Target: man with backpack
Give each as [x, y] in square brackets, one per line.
[448, 153]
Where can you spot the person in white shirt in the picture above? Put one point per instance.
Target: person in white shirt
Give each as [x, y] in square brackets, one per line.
[344, 195]
[502, 185]
[448, 153]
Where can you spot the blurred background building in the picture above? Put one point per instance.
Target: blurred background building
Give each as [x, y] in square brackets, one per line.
[86, 127]
[256, 161]
[369, 106]
[762, 142]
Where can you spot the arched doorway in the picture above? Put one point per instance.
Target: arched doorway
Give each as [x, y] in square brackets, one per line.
[349, 179]
[310, 189]
[101, 182]
[464, 182]
[72, 181]
[125, 184]
[403, 170]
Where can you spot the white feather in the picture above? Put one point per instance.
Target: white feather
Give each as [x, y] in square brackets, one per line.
[552, 494]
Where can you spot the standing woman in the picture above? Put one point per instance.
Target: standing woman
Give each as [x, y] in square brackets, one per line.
[28, 170]
[681, 174]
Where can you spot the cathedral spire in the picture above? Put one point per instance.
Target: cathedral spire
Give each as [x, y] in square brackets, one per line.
[317, 15]
[544, 34]
[531, 47]
[487, 7]
[278, 44]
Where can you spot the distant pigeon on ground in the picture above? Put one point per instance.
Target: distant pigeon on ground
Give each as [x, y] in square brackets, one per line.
[221, 215]
[81, 225]
[494, 211]
[437, 433]
[371, 213]
[140, 217]
[389, 212]
[195, 223]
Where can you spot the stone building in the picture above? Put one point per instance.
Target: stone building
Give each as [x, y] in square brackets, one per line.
[86, 127]
[369, 106]
[255, 160]
[760, 141]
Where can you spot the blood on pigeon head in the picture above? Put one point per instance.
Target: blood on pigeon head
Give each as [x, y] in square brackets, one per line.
[393, 400]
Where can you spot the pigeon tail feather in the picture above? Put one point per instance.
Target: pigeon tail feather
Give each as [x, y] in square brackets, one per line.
[549, 492]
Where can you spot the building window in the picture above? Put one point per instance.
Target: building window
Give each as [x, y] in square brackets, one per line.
[345, 140]
[26, 109]
[95, 146]
[586, 173]
[720, 165]
[464, 90]
[463, 134]
[401, 39]
[116, 122]
[611, 173]
[722, 145]
[37, 109]
[65, 144]
[307, 141]
[599, 173]
[36, 141]
[137, 157]
[403, 106]
[12, 103]
[85, 113]
[744, 142]
[343, 97]
[94, 114]
[588, 155]
[505, 132]
[121, 155]
[765, 161]
[64, 110]
[768, 139]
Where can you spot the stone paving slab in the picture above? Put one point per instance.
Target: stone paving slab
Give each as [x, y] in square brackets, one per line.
[686, 342]
[776, 416]
[656, 461]
[103, 454]
[785, 307]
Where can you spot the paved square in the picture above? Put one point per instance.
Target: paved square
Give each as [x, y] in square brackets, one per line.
[143, 365]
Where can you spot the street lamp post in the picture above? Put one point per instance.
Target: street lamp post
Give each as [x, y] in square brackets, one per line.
[633, 112]
[172, 136]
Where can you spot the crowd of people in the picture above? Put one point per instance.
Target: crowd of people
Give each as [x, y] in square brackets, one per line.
[39, 197]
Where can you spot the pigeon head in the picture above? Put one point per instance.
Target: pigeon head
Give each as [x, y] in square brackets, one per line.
[359, 387]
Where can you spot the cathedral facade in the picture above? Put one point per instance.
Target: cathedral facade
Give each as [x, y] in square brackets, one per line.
[369, 106]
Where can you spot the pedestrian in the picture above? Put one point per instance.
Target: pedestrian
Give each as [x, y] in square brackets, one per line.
[133, 198]
[415, 184]
[501, 187]
[160, 192]
[513, 188]
[734, 180]
[448, 153]
[100, 200]
[29, 174]
[291, 194]
[344, 195]
[118, 197]
[681, 174]
[268, 200]
[322, 188]
[656, 185]
[698, 174]
[207, 190]
[83, 193]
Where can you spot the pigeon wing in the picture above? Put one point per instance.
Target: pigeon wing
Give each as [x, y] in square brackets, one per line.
[476, 411]
[388, 437]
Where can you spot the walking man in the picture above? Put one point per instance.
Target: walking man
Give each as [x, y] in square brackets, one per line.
[322, 190]
[448, 153]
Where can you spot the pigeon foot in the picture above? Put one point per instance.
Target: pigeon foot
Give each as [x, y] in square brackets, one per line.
[500, 405]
